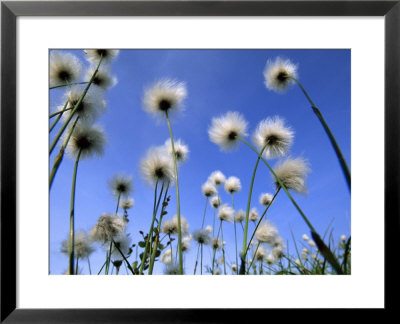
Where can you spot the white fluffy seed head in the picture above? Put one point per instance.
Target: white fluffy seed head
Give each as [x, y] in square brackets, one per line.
[64, 68]
[343, 238]
[181, 150]
[226, 129]
[166, 257]
[202, 237]
[108, 226]
[126, 203]
[272, 134]
[311, 243]
[209, 228]
[293, 173]
[170, 227]
[164, 97]
[94, 55]
[186, 243]
[265, 199]
[216, 243]
[123, 242]
[215, 202]
[91, 106]
[270, 259]
[277, 74]
[172, 269]
[240, 216]
[157, 166]
[305, 237]
[103, 79]
[232, 185]
[88, 140]
[234, 267]
[121, 185]
[217, 177]
[225, 213]
[208, 189]
[261, 253]
[267, 233]
[253, 215]
[83, 245]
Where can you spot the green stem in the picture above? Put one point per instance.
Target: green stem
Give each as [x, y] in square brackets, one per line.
[150, 231]
[317, 239]
[58, 159]
[197, 259]
[223, 248]
[234, 225]
[178, 206]
[88, 261]
[102, 267]
[123, 256]
[108, 258]
[76, 266]
[204, 215]
[201, 260]
[61, 131]
[153, 255]
[246, 226]
[60, 112]
[334, 143]
[71, 217]
[66, 85]
[262, 216]
[116, 210]
[254, 256]
[59, 116]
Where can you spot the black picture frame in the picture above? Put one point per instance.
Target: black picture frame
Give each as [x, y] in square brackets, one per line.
[10, 10]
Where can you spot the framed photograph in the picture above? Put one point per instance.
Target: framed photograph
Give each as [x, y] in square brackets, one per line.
[250, 148]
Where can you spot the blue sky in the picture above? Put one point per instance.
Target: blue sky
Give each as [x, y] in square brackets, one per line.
[217, 81]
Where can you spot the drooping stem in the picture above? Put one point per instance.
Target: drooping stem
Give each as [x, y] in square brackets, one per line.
[72, 218]
[334, 143]
[234, 225]
[59, 116]
[178, 206]
[204, 215]
[246, 225]
[61, 131]
[58, 159]
[262, 216]
[327, 253]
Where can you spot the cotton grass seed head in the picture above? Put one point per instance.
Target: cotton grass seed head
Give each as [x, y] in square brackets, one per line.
[121, 185]
[123, 243]
[343, 238]
[202, 237]
[278, 252]
[166, 257]
[181, 150]
[216, 243]
[234, 267]
[311, 243]
[305, 237]
[265, 199]
[127, 203]
[164, 97]
[215, 202]
[103, 79]
[172, 269]
[272, 134]
[170, 227]
[232, 185]
[261, 253]
[83, 245]
[226, 129]
[94, 55]
[64, 68]
[253, 215]
[240, 216]
[267, 232]
[209, 228]
[225, 213]
[91, 106]
[108, 227]
[277, 74]
[293, 173]
[88, 140]
[208, 189]
[156, 167]
[217, 177]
